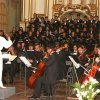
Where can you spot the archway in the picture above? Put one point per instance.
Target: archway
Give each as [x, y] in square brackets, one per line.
[74, 13]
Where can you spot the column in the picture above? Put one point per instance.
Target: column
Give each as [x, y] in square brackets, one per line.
[33, 7]
[97, 3]
[99, 8]
[27, 9]
[47, 7]
[50, 15]
[23, 11]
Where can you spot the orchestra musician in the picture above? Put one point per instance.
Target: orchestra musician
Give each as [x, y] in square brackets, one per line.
[50, 75]
[97, 60]
[83, 60]
[6, 44]
[62, 56]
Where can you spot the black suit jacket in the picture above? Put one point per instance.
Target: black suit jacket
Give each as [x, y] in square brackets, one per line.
[52, 68]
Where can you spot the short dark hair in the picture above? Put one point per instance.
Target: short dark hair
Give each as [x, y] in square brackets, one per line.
[51, 46]
[98, 46]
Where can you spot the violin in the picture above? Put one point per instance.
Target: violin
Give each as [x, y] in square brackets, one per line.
[91, 72]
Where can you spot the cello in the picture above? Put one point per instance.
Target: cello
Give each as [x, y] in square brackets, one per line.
[38, 72]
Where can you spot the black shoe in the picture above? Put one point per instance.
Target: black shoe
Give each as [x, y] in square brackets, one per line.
[47, 95]
[33, 97]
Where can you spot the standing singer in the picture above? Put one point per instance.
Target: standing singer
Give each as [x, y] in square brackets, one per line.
[6, 44]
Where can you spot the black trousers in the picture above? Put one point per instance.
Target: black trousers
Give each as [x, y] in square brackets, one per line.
[42, 85]
[8, 68]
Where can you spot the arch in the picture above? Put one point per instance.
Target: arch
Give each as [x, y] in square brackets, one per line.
[72, 12]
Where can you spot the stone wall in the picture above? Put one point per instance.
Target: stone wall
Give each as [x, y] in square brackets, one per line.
[10, 14]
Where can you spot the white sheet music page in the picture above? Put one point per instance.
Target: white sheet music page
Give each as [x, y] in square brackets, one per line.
[12, 57]
[25, 61]
[77, 65]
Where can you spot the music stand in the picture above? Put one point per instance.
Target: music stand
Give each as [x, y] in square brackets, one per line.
[76, 65]
[27, 64]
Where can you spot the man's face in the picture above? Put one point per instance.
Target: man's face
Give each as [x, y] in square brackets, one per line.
[98, 51]
[49, 50]
[37, 47]
[80, 50]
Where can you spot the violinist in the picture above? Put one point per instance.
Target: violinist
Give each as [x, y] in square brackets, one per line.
[83, 60]
[97, 60]
[95, 69]
[50, 75]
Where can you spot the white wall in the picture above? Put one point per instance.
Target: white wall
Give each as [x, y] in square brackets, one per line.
[40, 7]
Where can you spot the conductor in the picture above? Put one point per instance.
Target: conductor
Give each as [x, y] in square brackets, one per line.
[6, 44]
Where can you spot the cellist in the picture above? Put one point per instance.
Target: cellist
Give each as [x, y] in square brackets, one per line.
[50, 75]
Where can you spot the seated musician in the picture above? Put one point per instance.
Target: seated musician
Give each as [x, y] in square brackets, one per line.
[83, 60]
[50, 75]
[97, 60]
[38, 53]
[30, 53]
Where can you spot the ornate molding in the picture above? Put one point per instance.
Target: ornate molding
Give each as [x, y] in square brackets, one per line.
[41, 15]
[93, 7]
[89, 9]
[57, 7]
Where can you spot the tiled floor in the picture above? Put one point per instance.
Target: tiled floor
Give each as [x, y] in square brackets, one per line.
[22, 92]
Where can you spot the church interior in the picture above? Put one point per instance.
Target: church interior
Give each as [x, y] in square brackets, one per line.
[55, 49]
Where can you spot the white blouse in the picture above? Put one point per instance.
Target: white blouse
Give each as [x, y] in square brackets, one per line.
[4, 43]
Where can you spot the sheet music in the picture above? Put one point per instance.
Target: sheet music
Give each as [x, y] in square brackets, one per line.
[8, 62]
[8, 56]
[12, 57]
[77, 65]
[25, 61]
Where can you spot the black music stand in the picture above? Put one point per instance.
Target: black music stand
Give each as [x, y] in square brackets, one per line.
[76, 65]
[27, 64]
